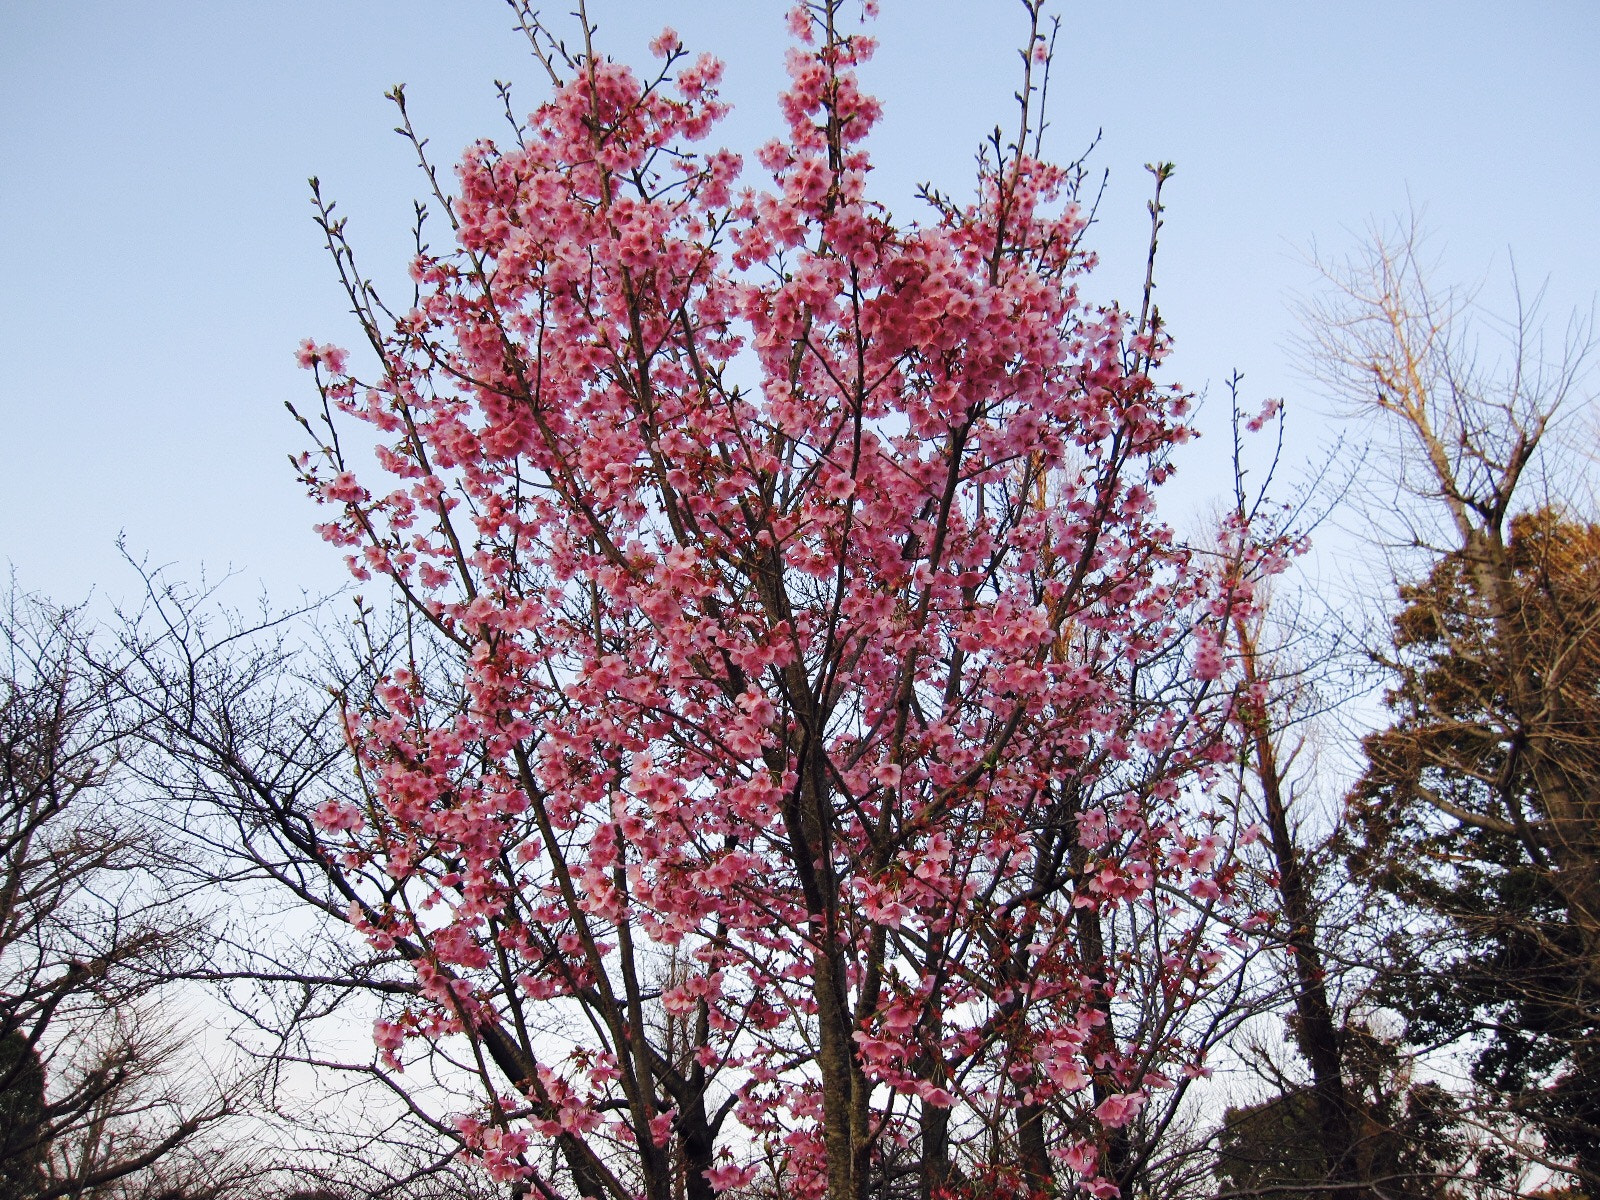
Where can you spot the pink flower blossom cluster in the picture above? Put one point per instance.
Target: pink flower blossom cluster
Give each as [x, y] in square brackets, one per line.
[802, 674]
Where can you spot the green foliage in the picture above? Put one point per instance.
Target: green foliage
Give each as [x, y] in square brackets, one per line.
[1411, 1143]
[22, 1105]
[1270, 1145]
[1477, 816]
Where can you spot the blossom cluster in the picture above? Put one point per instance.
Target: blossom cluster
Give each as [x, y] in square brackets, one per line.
[807, 669]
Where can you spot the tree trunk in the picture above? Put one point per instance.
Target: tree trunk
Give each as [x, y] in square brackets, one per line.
[1316, 1031]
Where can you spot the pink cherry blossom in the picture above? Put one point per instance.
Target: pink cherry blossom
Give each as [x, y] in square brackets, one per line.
[801, 686]
[1116, 1111]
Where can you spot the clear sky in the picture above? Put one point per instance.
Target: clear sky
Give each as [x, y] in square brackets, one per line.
[160, 264]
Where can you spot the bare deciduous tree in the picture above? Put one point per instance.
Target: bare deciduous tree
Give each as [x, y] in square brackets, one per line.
[101, 1094]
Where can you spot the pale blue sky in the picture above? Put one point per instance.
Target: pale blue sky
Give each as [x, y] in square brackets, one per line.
[160, 264]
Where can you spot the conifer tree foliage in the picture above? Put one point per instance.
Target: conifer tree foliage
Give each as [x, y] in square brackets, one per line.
[1450, 818]
[1477, 810]
[22, 1116]
[797, 784]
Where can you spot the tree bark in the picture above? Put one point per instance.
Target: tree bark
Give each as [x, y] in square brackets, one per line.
[1316, 1030]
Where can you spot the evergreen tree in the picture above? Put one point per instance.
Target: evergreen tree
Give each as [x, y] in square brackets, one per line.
[22, 1143]
[1452, 821]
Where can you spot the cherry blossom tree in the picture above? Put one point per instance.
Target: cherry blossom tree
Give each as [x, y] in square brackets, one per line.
[797, 780]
